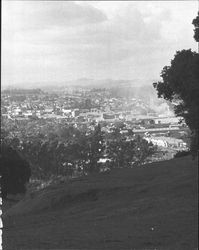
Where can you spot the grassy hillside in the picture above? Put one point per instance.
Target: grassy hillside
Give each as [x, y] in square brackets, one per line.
[151, 207]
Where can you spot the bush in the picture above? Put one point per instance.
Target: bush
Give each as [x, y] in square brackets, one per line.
[14, 170]
[182, 154]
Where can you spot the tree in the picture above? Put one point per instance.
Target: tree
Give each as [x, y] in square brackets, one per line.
[196, 30]
[14, 170]
[180, 86]
[143, 149]
[123, 152]
[95, 148]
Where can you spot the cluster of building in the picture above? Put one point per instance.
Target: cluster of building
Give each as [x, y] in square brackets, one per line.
[84, 107]
[167, 142]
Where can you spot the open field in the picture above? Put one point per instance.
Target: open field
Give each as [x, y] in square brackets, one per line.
[148, 207]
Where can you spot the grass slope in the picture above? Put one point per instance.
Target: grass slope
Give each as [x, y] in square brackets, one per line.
[152, 207]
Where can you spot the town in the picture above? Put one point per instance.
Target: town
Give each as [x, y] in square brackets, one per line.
[83, 108]
[99, 125]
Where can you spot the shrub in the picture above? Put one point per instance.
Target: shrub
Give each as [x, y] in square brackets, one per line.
[14, 170]
[182, 154]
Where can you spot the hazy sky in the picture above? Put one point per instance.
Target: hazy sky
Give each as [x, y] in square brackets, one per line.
[58, 40]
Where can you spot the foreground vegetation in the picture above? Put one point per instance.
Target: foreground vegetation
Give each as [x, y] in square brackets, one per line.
[68, 152]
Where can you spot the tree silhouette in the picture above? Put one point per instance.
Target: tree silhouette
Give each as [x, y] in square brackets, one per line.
[196, 30]
[180, 86]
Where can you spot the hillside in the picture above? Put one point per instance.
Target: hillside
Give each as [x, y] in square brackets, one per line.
[151, 207]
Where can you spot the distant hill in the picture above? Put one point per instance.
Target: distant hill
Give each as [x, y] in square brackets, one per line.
[119, 88]
[148, 207]
[82, 82]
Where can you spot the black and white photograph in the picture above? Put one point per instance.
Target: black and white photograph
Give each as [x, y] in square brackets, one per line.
[99, 125]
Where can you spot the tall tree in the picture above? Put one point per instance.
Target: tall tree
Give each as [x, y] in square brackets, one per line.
[180, 85]
[196, 30]
[96, 148]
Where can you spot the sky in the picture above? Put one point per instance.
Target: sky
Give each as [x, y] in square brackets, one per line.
[45, 41]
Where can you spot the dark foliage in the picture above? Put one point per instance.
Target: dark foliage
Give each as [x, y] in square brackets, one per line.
[95, 146]
[180, 86]
[15, 172]
[196, 30]
[182, 154]
[124, 152]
